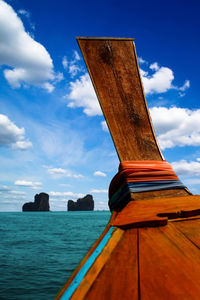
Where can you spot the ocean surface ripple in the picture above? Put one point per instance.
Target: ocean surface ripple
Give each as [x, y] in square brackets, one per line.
[40, 250]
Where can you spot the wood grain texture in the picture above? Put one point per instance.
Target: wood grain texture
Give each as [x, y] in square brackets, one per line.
[160, 194]
[191, 229]
[169, 265]
[97, 266]
[119, 278]
[155, 212]
[113, 68]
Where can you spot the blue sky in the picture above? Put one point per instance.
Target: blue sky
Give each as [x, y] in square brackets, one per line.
[53, 137]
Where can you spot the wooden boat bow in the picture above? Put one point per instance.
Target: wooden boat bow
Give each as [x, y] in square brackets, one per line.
[150, 248]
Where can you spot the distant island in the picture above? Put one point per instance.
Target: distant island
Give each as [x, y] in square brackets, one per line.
[83, 204]
[41, 203]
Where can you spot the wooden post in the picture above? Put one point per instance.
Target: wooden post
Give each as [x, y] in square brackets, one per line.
[113, 68]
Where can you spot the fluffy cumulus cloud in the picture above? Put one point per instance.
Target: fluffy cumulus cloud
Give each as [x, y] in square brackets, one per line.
[63, 172]
[99, 173]
[184, 167]
[27, 61]
[34, 185]
[176, 126]
[158, 82]
[158, 79]
[82, 94]
[12, 135]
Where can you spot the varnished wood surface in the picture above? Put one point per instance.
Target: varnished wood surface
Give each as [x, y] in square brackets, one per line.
[100, 262]
[169, 264]
[113, 68]
[155, 212]
[160, 194]
[147, 263]
[119, 278]
[191, 229]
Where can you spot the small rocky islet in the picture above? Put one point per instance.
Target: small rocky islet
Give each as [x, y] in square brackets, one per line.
[41, 203]
[83, 204]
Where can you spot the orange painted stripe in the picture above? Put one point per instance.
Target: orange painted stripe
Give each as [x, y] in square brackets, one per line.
[141, 171]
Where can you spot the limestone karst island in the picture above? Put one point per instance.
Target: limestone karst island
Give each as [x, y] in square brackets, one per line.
[41, 203]
[84, 204]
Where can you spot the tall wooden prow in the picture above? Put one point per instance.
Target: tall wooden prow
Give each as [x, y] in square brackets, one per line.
[136, 257]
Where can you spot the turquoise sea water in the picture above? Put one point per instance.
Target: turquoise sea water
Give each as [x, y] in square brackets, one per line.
[40, 250]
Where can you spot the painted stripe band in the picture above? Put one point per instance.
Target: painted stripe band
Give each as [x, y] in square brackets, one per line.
[136, 187]
[80, 275]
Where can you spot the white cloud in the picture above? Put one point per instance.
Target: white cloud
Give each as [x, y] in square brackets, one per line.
[24, 12]
[96, 191]
[104, 126]
[176, 126]
[7, 193]
[74, 69]
[27, 61]
[143, 73]
[141, 60]
[58, 77]
[66, 194]
[59, 171]
[10, 134]
[185, 86]
[4, 188]
[159, 82]
[183, 167]
[27, 14]
[72, 65]
[48, 87]
[82, 95]
[22, 145]
[65, 62]
[76, 55]
[154, 66]
[31, 184]
[10, 196]
[99, 173]
[63, 172]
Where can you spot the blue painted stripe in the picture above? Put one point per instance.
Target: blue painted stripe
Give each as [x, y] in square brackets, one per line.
[136, 187]
[80, 275]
